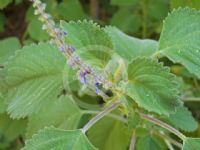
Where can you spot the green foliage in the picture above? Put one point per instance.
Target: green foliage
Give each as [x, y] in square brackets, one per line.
[4, 3]
[107, 134]
[35, 30]
[8, 48]
[182, 47]
[67, 10]
[152, 86]
[149, 143]
[62, 113]
[183, 119]
[59, 139]
[34, 79]
[191, 144]
[184, 3]
[10, 129]
[129, 47]
[125, 20]
[43, 103]
[92, 43]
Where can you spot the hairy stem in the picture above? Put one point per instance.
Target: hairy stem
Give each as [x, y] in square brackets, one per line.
[169, 139]
[163, 125]
[108, 115]
[133, 141]
[100, 115]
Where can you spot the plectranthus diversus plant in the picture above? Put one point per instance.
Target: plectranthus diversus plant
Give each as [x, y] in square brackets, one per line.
[149, 96]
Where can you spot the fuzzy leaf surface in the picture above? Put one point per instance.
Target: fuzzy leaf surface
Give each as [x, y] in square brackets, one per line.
[179, 39]
[152, 86]
[34, 79]
[63, 113]
[57, 139]
[183, 119]
[91, 42]
[191, 144]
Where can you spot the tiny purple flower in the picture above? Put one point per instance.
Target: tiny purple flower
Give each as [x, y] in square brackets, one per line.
[83, 77]
[62, 48]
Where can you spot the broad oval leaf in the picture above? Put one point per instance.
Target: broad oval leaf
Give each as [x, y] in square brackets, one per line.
[152, 86]
[34, 79]
[191, 144]
[129, 47]
[183, 119]
[91, 42]
[179, 39]
[57, 139]
[62, 113]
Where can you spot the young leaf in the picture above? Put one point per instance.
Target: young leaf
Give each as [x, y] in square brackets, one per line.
[183, 119]
[92, 43]
[8, 48]
[149, 143]
[63, 113]
[179, 39]
[57, 139]
[191, 144]
[107, 134]
[152, 86]
[130, 47]
[34, 79]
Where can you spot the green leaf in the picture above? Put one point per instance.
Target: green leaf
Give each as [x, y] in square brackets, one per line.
[152, 86]
[34, 79]
[57, 139]
[4, 3]
[11, 129]
[71, 10]
[63, 113]
[149, 143]
[191, 144]
[184, 3]
[126, 20]
[8, 48]
[109, 134]
[91, 42]
[130, 47]
[35, 30]
[183, 119]
[179, 39]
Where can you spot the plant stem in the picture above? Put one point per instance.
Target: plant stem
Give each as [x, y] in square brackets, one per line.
[100, 115]
[172, 141]
[108, 115]
[169, 144]
[133, 141]
[163, 125]
[192, 99]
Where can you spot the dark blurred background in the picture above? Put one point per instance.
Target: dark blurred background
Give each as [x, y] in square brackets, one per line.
[140, 18]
